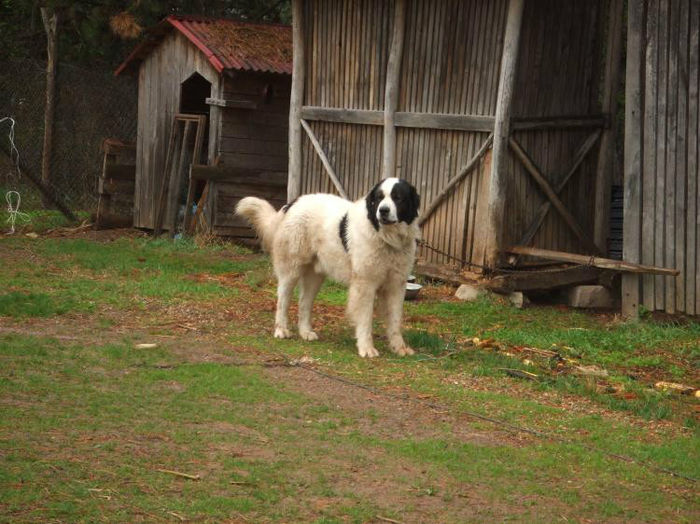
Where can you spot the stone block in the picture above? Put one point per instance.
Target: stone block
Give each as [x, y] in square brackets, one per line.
[592, 296]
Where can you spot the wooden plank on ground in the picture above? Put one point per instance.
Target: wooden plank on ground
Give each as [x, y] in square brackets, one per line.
[603, 263]
[542, 280]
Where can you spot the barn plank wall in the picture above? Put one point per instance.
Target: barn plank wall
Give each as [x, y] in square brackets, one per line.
[450, 66]
[171, 63]
[667, 63]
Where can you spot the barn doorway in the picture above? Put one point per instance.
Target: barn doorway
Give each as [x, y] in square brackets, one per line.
[194, 92]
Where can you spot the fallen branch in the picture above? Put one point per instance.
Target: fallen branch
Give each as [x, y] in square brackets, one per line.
[179, 474]
[386, 519]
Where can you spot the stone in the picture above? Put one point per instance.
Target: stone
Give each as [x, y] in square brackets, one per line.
[518, 299]
[592, 296]
[468, 292]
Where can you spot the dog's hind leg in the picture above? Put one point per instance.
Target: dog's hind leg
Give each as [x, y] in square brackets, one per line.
[309, 285]
[285, 289]
[392, 296]
[360, 308]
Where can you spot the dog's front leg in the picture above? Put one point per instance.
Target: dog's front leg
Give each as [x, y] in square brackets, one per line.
[393, 295]
[360, 308]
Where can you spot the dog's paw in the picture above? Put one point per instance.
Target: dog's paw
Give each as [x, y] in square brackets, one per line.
[368, 352]
[308, 335]
[403, 350]
[282, 332]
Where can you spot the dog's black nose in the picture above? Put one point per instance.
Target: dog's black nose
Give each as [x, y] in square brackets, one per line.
[384, 210]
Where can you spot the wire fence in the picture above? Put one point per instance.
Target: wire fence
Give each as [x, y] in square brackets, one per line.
[91, 105]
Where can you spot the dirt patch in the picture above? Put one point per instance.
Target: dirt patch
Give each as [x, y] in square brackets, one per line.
[387, 417]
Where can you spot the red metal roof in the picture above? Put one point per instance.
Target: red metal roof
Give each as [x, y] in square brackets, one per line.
[227, 44]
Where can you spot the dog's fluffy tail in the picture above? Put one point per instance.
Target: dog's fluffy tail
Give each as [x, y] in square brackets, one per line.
[262, 216]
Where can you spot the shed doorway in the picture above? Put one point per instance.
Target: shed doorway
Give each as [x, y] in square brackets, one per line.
[193, 94]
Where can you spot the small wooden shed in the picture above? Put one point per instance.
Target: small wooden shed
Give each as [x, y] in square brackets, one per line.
[501, 113]
[220, 87]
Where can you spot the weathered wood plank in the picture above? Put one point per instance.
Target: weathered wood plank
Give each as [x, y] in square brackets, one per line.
[232, 103]
[561, 122]
[603, 263]
[692, 262]
[542, 280]
[633, 153]
[498, 179]
[391, 93]
[296, 101]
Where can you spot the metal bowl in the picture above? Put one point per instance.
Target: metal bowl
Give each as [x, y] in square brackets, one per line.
[412, 290]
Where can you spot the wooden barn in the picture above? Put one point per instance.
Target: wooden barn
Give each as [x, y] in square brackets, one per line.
[503, 114]
[662, 155]
[214, 95]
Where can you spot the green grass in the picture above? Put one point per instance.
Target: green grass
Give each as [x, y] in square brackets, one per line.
[88, 419]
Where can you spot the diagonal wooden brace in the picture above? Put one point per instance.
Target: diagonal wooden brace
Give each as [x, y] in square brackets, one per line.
[544, 208]
[547, 189]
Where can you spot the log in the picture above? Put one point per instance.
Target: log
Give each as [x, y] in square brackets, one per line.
[50, 20]
[538, 280]
[391, 93]
[501, 132]
[296, 101]
[603, 263]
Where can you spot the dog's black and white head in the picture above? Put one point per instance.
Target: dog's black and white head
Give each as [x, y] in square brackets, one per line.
[392, 201]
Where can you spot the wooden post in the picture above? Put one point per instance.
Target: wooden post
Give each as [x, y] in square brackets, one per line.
[391, 93]
[633, 155]
[498, 178]
[606, 155]
[50, 19]
[296, 102]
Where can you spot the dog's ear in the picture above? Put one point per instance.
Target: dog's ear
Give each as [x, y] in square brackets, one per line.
[409, 201]
[371, 201]
[415, 201]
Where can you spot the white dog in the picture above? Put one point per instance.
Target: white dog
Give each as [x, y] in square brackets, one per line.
[369, 245]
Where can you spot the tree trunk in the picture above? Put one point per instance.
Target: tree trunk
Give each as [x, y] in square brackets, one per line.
[50, 19]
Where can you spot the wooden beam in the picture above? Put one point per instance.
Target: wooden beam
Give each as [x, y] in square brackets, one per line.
[546, 206]
[498, 179]
[324, 159]
[401, 119]
[546, 188]
[560, 122]
[633, 154]
[456, 180]
[296, 101]
[443, 121]
[585, 260]
[238, 104]
[606, 155]
[344, 116]
[391, 92]
[542, 280]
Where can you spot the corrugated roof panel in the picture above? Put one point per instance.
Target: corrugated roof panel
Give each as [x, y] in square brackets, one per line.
[228, 44]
